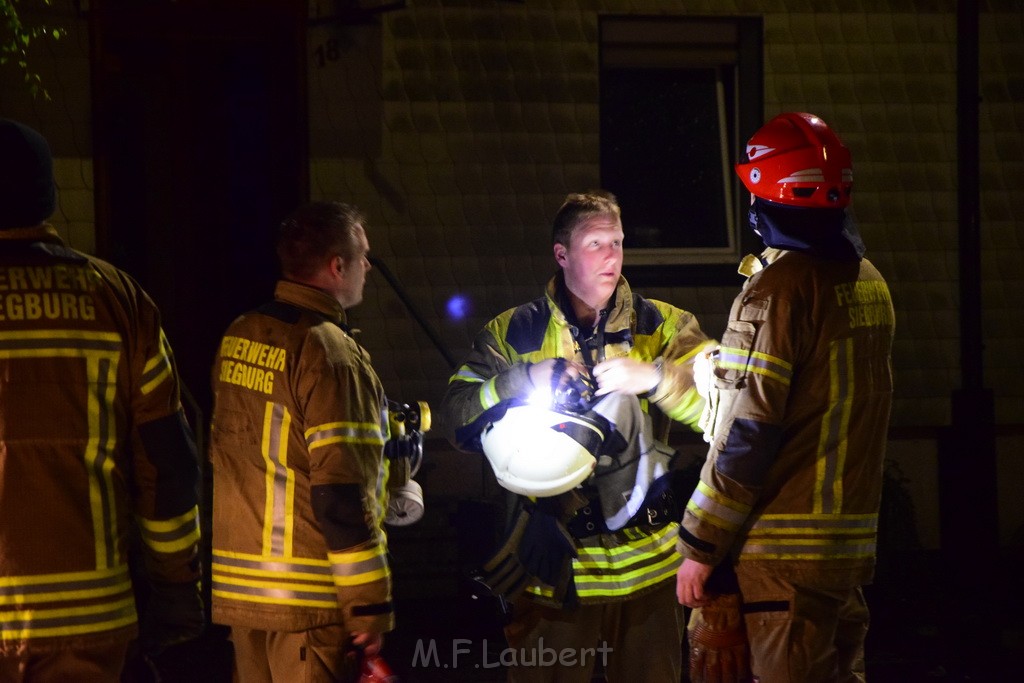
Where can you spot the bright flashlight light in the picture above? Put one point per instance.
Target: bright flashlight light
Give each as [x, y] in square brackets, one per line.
[541, 397]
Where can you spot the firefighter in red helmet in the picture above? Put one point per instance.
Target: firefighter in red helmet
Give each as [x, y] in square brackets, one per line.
[797, 417]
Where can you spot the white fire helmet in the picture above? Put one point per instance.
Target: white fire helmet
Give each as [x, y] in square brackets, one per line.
[537, 451]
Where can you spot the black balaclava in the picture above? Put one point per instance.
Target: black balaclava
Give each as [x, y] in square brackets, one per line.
[829, 233]
[28, 195]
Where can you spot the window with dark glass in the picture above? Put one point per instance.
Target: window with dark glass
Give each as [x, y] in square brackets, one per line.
[678, 97]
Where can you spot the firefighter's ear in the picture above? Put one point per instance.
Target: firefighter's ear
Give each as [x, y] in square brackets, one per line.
[560, 252]
[337, 265]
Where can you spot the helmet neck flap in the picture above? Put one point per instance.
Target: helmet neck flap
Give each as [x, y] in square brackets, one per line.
[829, 233]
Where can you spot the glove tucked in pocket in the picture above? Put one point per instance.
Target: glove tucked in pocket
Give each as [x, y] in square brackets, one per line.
[539, 548]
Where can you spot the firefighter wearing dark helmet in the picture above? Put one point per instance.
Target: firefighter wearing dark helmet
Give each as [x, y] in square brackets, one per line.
[797, 417]
[94, 450]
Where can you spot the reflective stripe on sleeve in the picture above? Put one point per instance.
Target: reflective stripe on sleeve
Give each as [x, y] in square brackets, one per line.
[714, 508]
[760, 363]
[362, 566]
[171, 535]
[157, 368]
[344, 432]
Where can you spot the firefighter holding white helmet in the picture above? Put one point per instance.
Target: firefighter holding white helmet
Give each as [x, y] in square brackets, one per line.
[589, 560]
[797, 417]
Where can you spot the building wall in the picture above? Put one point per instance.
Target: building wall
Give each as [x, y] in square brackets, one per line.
[459, 125]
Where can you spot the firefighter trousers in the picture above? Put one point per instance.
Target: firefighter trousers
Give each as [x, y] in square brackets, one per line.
[638, 639]
[319, 655]
[801, 633]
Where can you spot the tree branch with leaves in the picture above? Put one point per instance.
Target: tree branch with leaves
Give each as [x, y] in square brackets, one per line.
[15, 38]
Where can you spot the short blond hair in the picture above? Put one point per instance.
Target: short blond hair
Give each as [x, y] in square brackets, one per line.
[578, 207]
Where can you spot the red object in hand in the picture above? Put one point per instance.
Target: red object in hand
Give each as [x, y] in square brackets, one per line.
[376, 670]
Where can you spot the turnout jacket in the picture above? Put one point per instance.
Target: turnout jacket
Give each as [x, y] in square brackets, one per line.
[95, 451]
[797, 421]
[298, 430]
[610, 566]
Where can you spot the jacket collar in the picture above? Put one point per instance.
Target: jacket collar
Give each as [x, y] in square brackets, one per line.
[619, 317]
[44, 232]
[311, 298]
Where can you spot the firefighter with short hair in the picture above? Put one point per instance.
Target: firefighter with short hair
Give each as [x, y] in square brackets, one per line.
[797, 417]
[300, 568]
[589, 560]
[95, 451]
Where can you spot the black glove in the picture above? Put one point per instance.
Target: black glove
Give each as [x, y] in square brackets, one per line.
[546, 549]
[173, 614]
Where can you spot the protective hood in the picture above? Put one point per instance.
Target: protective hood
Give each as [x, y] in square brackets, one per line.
[829, 233]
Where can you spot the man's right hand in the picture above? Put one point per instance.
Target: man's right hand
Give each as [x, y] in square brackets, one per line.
[542, 374]
[370, 643]
[690, 580]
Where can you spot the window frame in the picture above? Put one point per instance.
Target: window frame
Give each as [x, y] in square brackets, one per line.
[693, 43]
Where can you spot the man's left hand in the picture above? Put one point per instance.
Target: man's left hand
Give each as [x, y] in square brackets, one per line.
[626, 375]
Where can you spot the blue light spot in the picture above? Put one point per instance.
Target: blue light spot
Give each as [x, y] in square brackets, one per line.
[458, 307]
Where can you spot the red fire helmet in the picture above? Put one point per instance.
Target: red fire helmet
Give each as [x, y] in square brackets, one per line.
[796, 159]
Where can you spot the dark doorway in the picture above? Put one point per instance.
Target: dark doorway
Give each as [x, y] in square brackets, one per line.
[200, 148]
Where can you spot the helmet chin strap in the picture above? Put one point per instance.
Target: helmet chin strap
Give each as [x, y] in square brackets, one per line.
[829, 233]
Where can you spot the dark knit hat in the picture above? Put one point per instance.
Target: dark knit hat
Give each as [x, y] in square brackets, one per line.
[28, 195]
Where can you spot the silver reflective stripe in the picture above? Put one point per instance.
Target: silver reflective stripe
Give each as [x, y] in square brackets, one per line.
[828, 490]
[811, 537]
[797, 549]
[623, 569]
[276, 453]
[65, 604]
[703, 504]
[100, 353]
[251, 579]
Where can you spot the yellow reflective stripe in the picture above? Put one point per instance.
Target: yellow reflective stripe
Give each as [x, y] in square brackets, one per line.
[834, 432]
[279, 481]
[715, 508]
[171, 535]
[624, 569]
[744, 360]
[344, 432]
[18, 590]
[248, 562]
[808, 549]
[630, 582]
[280, 599]
[275, 587]
[99, 461]
[356, 568]
[68, 621]
[811, 537]
[303, 582]
[465, 374]
[101, 353]
[817, 521]
[489, 393]
[48, 617]
[626, 553]
[157, 368]
[111, 340]
[689, 409]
